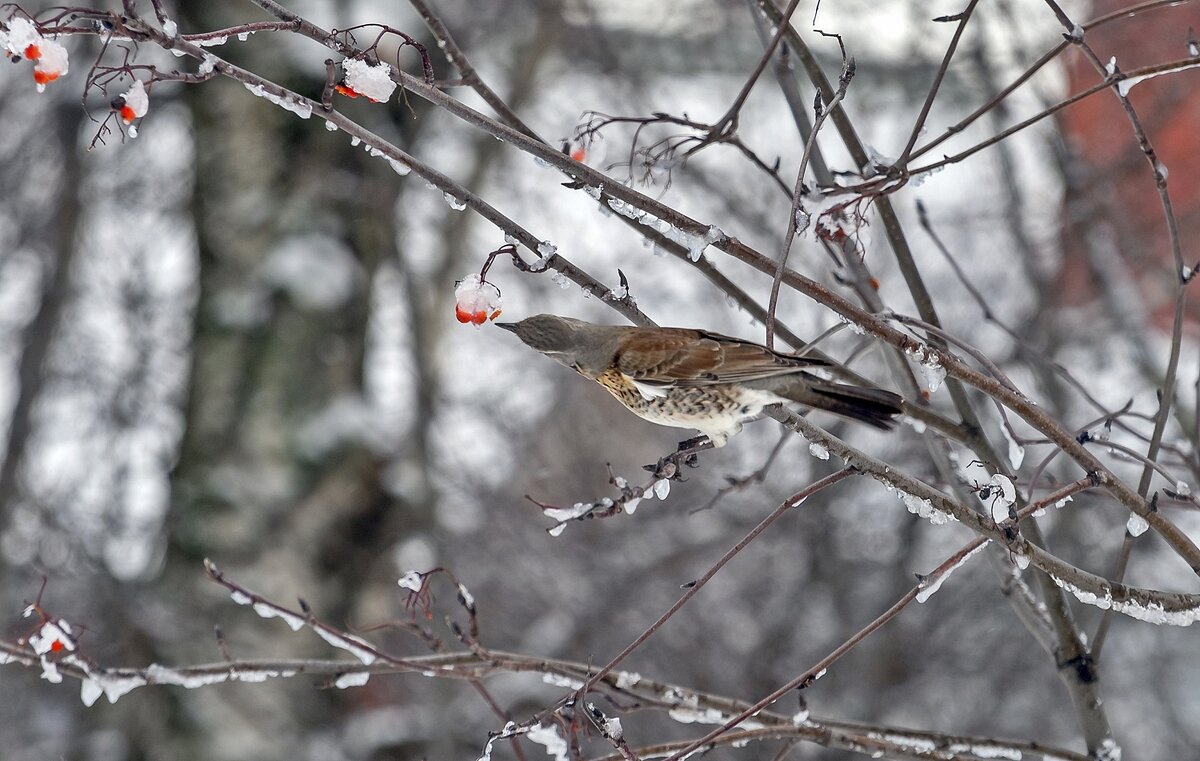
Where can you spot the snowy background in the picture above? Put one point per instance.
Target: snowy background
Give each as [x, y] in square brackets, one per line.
[233, 337]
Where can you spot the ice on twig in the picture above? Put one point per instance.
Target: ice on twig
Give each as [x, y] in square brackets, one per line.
[111, 686]
[360, 649]
[686, 715]
[399, 167]
[1108, 750]
[612, 728]
[932, 583]
[353, 679]
[1016, 452]
[695, 244]
[627, 679]
[662, 487]
[924, 508]
[267, 610]
[558, 680]
[1002, 495]
[412, 581]
[929, 364]
[509, 730]
[1136, 525]
[855, 328]
[565, 514]
[933, 373]
[551, 739]
[1150, 612]
[1125, 85]
[286, 102]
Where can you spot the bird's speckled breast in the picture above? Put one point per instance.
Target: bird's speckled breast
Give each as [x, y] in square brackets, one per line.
[717, 408]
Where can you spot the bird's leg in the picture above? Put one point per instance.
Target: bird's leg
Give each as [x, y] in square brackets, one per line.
[689, 447]
[669, 467]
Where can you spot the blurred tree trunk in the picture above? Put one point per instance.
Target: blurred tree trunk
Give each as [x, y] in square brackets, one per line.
[58, 228]
[264, 366]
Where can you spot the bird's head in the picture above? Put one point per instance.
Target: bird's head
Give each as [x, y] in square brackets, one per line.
[579, 345]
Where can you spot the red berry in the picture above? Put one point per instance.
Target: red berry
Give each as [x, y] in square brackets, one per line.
[479, 317]
[43, 77]
[463, 315]
[56, 645]
[33, 52]
[127, 114]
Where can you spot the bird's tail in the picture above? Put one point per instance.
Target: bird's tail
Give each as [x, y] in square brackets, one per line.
[872, 406]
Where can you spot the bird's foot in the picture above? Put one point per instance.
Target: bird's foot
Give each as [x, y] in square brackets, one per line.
[671, 466]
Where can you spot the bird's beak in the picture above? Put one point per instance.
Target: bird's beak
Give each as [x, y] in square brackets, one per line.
[511, 327]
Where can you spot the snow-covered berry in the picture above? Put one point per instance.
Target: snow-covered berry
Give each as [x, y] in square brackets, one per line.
[133, 103]
[23, 40]
[372, 81]
[475, 300]
[586, 150]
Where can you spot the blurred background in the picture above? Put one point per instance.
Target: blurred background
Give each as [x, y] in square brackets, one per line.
[233, 338]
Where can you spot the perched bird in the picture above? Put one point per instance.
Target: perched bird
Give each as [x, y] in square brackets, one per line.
[696, 379]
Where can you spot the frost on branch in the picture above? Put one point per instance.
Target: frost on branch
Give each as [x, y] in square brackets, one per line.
[924, 508]
[1150, 612]
[287, 103]
[695, 244]
[371, 81]
[266, 610]
[23, 40]
[475, 300]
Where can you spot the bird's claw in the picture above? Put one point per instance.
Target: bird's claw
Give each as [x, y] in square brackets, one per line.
[667, 468]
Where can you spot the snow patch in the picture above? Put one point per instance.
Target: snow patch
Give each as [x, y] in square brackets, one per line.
[373, 81]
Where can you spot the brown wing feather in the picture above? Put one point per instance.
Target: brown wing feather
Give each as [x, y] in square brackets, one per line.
[681, 357]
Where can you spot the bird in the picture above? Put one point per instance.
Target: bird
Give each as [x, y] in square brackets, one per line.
[688, 378]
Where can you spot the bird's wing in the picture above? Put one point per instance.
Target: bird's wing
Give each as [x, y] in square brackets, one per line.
[680, 357]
